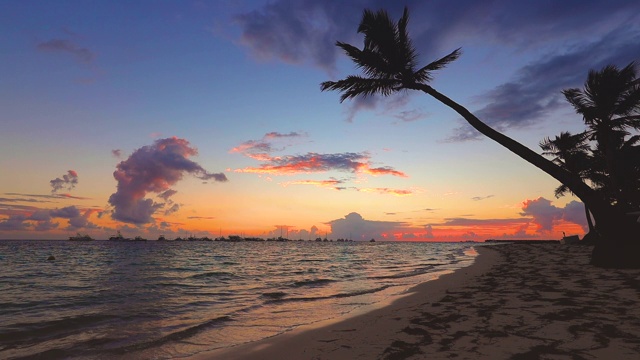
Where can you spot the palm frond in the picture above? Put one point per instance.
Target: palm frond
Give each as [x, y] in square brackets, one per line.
[406, 49]
[423, 75]
[578, 100]
[387, 60]
[561, 191]
[379, 32]
[353, 86]
[371, 63]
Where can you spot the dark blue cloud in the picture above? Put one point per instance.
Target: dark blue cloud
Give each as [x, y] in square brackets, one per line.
[82, 54]
[576, 36]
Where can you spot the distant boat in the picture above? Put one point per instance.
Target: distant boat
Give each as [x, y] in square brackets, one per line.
[162, 238]
[79, 237]
[139, 238]
[118, 237]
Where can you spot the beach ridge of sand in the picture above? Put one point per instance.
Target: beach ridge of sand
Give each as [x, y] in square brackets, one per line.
[517, 301]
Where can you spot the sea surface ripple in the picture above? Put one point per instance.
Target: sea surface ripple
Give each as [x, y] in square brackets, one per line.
[103, 300]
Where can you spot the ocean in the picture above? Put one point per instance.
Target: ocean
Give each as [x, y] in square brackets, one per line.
[161, 300]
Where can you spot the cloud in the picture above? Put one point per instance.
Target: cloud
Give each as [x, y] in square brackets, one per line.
[410, 115]
[478, 198]
[153, 169]
[252, 148]
[167, 194]
[331, 183]
[82, 222]
[395, 192]
[20, 199]
[117, 153]
[174, 208]
[260, 149]
[66, 212]
[305, 31]
[536, 89]
[14, 223]
[201, 217]
[354, 226]
[277, 135]
[313, 162]
[428, 232]
[40, 215]
[568, 38]
[81, 54]
[46, 225]
[68, 182]
[22, 218]
[69, 196]
[546, 216]
[459, 221]
[297, 31]
[37, 196]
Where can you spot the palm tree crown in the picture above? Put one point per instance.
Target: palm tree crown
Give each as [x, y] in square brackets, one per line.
[569, 151]
[610, 99]
[387, 59]
[610, 105]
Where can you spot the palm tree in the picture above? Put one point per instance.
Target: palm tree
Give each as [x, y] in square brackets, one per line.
[388, 62]
[609, 105]
[571, 152]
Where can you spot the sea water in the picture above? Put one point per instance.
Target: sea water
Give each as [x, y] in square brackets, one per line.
[170, 299]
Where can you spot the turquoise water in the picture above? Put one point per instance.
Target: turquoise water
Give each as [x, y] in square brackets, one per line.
[101, 299]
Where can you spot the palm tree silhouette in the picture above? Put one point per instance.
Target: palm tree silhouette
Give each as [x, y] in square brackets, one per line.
[388, 62]
[609, 105]
[572, 152]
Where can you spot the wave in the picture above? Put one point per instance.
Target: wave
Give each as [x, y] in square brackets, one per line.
[31, 333]
[274, 295]
[214, 274]
[176, 336]
[314, 282]
[416, 272]
[334, 296]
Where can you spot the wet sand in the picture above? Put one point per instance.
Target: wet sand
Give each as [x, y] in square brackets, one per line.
[520, 301]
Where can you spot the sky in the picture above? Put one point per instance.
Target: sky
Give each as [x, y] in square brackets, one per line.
[206, 118]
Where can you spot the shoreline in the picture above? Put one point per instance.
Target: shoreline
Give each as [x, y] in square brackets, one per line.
[298, 343]
[515, 301]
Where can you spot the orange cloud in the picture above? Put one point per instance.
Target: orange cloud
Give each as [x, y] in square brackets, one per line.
[314, 162]
[395, 192]
[332, 184]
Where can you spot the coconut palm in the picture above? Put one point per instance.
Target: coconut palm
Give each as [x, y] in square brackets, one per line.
[610, 105]
[571, 152]
[388, 62]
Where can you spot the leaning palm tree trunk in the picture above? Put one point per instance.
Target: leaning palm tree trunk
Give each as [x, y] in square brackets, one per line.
[618, 243]
[577, 186]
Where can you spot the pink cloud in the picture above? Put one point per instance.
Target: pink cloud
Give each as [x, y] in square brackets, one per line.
[395, 192]
[68, 181]
[315, 163]
[546, 216]
[153, 169]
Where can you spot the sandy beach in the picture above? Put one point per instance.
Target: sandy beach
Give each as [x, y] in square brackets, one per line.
[520, 301]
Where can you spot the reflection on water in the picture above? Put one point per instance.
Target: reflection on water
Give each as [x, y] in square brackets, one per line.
[166, 299]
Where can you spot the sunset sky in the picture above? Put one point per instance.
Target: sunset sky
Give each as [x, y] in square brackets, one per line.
[206, 118]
